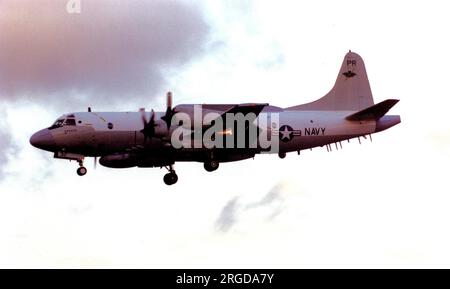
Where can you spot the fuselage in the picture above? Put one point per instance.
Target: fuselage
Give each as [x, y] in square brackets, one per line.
[98, 134]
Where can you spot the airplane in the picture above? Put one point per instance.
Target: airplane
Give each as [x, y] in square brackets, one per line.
[145, 138]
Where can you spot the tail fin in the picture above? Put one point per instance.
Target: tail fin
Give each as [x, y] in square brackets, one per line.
[350, 92]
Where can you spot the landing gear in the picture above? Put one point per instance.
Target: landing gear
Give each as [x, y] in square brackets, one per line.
[211, 165]
[171, 177]
[81, 171]
[281, 155]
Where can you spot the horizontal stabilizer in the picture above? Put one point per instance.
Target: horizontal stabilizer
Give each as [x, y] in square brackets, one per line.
[375, 111]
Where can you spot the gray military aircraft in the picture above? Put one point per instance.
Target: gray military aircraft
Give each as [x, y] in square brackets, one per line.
[214, 133]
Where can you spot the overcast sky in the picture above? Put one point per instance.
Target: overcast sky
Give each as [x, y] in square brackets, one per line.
[380, 204]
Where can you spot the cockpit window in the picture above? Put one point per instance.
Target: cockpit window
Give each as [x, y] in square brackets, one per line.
[70, 121]
[58, 123]
[63, 122]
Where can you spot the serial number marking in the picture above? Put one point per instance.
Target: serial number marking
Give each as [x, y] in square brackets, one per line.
[66, 131]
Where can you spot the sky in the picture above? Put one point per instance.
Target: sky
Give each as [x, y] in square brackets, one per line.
[379, 204]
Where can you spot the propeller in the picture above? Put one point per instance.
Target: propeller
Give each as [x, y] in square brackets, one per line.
[149, 126]
[154, 128]
[169, 111]
[95, 163]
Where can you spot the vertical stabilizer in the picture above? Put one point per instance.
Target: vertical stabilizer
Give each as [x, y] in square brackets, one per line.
[350, 92]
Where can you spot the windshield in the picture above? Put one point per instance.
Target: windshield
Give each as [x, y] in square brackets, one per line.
[58, 123]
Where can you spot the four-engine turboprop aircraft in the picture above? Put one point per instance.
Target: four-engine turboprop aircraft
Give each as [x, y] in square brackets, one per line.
[214, 133]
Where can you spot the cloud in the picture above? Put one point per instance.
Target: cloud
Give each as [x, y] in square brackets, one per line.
[275, 194]
[235, 209]
[111, 51]
[17, 156]
[228, 215]
[7, 148]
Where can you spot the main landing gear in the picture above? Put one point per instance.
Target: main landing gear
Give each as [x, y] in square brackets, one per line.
[171, 177]
[211, 165]
[81, 171]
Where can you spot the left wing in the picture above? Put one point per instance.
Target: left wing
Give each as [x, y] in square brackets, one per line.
[244, 108]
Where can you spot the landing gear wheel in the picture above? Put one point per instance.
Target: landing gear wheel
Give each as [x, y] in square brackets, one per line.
[211, 165]
[170, 178]
[81, 171]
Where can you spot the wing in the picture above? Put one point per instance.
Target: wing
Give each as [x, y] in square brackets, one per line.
[244, 108]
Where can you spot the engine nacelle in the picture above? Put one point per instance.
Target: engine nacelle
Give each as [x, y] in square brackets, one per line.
[118, 161]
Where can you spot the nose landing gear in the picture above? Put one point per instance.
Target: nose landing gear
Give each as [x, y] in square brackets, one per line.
[81, 171]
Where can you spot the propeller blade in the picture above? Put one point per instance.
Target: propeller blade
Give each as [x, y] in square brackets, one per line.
[144, 118]
[169, 100]
[144, 121]
[149, 126]
[169, 111]
[152, 118]
[95, 163]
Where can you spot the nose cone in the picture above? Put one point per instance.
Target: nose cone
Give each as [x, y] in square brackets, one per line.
[43, 139]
